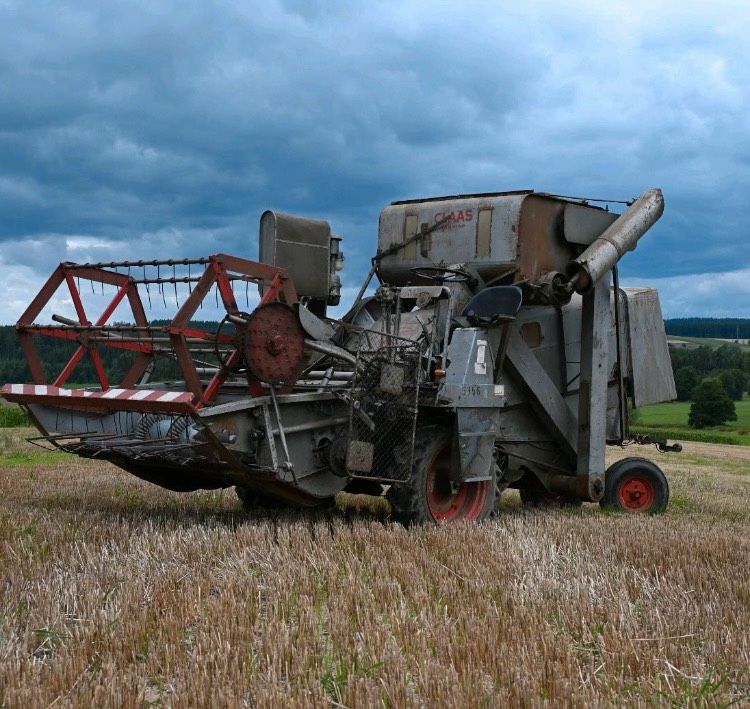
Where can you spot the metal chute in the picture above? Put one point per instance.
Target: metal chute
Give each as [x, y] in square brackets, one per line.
[619, 238]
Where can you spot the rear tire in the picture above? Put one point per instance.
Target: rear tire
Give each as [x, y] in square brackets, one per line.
[635, 485]
[426, 497]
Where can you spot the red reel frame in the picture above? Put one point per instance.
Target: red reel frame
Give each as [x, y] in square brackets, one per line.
[70, 273]
[221, 270]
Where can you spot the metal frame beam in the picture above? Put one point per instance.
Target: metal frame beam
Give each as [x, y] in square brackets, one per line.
[596, 324]
[145, 340]
[545, 397]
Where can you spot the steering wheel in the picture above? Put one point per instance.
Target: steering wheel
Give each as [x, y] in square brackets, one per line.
[438, 274]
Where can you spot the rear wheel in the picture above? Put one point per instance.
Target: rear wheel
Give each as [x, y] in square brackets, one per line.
[635, 485]
[428, 495]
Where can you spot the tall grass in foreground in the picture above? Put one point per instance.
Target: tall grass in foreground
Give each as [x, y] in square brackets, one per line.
[116, 592]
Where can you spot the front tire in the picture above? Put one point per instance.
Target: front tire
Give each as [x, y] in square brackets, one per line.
[427, 496]
[637, 486]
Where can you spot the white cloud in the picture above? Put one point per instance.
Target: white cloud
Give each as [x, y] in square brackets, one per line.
[145, 130]
[716, 295]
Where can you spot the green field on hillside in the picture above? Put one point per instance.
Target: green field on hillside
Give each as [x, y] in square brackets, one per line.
[709, 342]
[671, 420]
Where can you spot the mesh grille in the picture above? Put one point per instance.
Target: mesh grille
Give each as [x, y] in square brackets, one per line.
[383, 411]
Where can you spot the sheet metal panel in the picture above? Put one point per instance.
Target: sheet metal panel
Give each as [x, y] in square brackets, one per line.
[582, 225]
[653, 381]
[482, 231]
[301, 246]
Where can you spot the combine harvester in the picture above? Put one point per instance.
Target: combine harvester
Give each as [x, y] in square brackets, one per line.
[494, 353]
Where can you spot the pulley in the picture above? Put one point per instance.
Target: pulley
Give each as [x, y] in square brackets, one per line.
[274, 344]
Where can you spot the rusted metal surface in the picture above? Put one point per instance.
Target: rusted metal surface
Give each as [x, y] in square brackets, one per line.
[303, 246]
[453, 241]
[582, 225]
[274, 344]
[540, 246]
[596, 326]
[493, 233]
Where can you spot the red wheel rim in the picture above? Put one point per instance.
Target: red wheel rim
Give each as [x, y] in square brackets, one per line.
[444, 504]
[637, 494]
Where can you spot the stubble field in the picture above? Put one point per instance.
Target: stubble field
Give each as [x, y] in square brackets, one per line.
[115, 592]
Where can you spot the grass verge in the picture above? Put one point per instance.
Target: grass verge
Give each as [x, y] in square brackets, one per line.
[671, 421]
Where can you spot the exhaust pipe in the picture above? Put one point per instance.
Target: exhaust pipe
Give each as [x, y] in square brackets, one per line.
[619, 238]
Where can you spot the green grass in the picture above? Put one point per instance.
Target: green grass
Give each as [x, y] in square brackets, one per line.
[34, 459]
[671, 420]
[12, 416]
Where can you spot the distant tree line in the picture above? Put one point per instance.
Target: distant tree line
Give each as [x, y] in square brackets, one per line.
[713, 379]
[717, 328]
[55, 354]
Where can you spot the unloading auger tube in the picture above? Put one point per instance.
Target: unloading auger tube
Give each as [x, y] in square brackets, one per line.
[493, 355]
[622, 236]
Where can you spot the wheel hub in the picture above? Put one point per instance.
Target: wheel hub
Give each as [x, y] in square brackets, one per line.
[274, 344]
[637, 494]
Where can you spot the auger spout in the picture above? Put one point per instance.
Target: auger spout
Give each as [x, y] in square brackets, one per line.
[619, 238]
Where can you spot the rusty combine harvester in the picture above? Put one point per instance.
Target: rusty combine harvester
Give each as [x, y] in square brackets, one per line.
[494, 353]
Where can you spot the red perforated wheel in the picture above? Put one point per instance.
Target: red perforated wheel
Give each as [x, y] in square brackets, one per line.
[428, 496]
[635, 485]
[637, 494]
[446, 504]
[275, 344]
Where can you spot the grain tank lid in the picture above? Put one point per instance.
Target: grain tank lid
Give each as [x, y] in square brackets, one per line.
[581, 201]
[476, 195]
[591, 202]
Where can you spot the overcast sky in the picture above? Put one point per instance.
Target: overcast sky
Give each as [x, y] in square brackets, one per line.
[158, 129]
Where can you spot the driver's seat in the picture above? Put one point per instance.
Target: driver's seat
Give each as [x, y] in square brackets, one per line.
[493, 306]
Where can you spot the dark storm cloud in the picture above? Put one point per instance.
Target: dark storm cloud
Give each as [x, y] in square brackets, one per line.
[169, 127]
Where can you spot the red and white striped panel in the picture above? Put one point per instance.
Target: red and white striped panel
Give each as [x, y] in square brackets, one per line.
[109, 400]
[120, 394]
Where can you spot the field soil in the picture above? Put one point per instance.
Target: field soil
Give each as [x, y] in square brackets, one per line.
[712, 450]
[115, 592]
